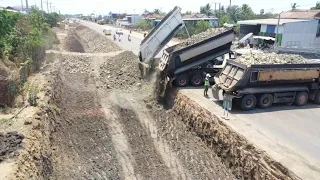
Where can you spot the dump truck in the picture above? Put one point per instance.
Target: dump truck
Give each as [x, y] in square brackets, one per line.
[190, 64]
[266, 84]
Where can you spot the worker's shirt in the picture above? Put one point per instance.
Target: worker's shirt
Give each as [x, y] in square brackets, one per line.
[206, 82]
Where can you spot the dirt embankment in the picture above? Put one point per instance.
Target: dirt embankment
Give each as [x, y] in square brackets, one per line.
[10, 142]
[84, 39]
[102, 122]
[243, 158]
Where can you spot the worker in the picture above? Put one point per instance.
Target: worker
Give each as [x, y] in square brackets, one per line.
[129, 37]
[114, 37]
[144, 34]
[206, 85]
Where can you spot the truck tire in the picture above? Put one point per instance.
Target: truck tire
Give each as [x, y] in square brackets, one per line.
[317, 98]
[265, 101]
[248, 102]
[182, 80]
[196, 80]
[301, 99]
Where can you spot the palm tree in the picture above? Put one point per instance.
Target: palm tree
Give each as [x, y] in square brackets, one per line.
[206, 10]
[316, 7]
[294, 6]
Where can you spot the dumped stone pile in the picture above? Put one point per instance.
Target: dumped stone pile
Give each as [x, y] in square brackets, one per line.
[200, 37]
[121, 71]
[270, 58]
[94, 41]
[73, 65]
[9, 143]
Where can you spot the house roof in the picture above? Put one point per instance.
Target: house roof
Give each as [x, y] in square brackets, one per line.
[309, 14]
[269, 21]
[195, 16]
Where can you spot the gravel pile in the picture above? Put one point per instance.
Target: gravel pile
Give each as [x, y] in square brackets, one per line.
[121, 72]
[79, 64]
[95, 42]
[270, 58]
[9, 143]
[200, 37]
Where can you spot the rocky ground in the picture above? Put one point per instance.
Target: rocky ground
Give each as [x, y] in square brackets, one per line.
[102, 122]
[199, 37]
[270, 58]
[10, 142]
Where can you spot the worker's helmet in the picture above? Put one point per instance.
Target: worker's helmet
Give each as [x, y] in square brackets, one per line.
[208, 75]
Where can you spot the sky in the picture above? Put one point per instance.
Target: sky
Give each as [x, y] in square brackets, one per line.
[138, 6]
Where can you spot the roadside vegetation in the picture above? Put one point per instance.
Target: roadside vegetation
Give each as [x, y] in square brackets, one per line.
[23, 40]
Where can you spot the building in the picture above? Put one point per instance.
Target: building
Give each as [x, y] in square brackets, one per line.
[130, 20]
[194, 18]
[298, 30]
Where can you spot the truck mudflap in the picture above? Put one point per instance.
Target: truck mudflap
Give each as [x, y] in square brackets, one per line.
[217, 93]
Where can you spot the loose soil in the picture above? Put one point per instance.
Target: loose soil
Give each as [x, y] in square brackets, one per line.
[101, 121]
[10, 142]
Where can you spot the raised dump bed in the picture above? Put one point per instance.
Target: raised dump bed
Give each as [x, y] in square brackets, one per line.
[152, 44]
[265, 84]
[185, 64]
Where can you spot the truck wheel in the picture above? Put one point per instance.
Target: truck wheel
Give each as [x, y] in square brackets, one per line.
[182, 80]
[265, 101]
[196, 80]
[248, 102]
[301, 99]
[317, 98]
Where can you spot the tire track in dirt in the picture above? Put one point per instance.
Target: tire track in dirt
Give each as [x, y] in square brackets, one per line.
[81, 141]
[130, 105]
[147, 161]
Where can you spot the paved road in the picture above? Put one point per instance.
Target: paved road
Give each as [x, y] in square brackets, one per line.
[132, 45]
[290, 135]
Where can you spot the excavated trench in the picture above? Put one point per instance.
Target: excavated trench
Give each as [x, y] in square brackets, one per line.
[97, 126]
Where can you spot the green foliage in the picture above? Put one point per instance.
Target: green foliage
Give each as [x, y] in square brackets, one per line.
[52, 19]
[224, 19]
[202, 26]
[144, 24]
[316, 7]
[206, 10]
[294, 6]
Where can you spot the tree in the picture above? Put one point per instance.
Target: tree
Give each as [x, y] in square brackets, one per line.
[144, 24]
[202, 26]
[316, 7]
[224, 19]
[234, 13]
[206, 10]
[246, 12]
[156, 11]
[294, 6]
[146, 11]
[187, 13]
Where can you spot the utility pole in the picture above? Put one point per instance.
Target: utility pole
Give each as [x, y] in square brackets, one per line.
[27, 7]
[50, 8]
[276, 38]
[47, 6]
[215, 9]
[219, 14]
[230, 4]
[41, 8]
[21, 5]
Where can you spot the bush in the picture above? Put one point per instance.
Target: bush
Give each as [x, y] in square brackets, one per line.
[144, 25]
[202, 26]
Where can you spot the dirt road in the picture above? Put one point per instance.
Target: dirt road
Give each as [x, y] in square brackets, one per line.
[106, 124]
